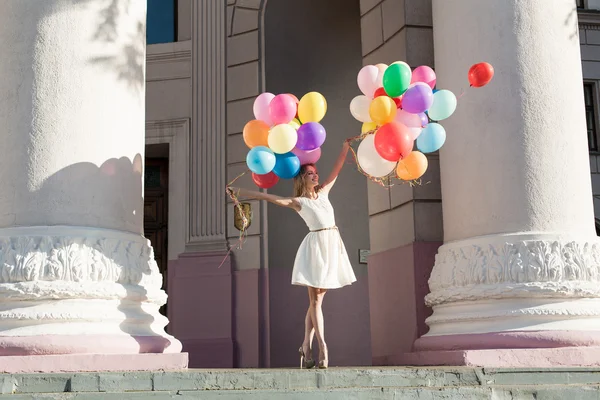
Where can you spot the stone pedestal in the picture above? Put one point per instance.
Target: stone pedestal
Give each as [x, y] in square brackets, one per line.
[520, 266]
[76, 274]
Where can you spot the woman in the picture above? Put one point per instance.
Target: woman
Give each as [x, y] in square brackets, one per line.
[321, 262]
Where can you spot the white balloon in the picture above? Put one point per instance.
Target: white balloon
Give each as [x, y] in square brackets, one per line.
[414, 132]
[359, 108]
[381, 68]
[367, 80]
[370, 161]
[282, 138]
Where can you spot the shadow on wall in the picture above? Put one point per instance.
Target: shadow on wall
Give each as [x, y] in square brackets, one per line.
[572, 23]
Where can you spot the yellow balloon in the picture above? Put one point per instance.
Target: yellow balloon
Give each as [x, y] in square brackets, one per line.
[282, 138]
[295, 124]
[312, 107]
[412, 167]
[368, 126]
[382, 110]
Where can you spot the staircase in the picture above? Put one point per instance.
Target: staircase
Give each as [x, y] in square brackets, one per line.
[373, 383]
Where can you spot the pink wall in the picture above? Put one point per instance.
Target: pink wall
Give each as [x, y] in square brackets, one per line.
[397, 288]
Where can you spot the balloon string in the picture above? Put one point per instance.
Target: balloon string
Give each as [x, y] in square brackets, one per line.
[245, 218]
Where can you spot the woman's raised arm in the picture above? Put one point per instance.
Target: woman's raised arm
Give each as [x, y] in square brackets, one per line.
[288, 202]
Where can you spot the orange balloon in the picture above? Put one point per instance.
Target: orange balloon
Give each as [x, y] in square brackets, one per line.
[412, 167]
[382, 110]
[256, 133]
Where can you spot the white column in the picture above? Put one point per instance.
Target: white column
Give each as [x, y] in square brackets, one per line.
[76, 274]
[521, 259]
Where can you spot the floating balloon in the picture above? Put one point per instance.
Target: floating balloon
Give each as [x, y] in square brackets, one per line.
[295, 124]
[393, 141]
[370, 161]
[265, 181]
[418, 98]
[368, 127]
[424, 119]
[408, 119]
[444, 105]
[261, 107]
[256, 133]
[282, 109]
[412, 166]
[359, 108]
[380, 92]
[282, 138]
[424, 74]
[312, 107]
[481, 74]
[367, 80]
[396, 79]
[308, 156]
[260, 160]
[381, 68]
[311, 135]
[415, 132]
[382, 110]
[286, 166]
[432, 138]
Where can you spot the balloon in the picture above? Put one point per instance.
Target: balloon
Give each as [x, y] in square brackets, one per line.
[424, 119]
[295, 124]
[415, 132]
[307, 156]
[408, 119]
[396, 79]
[481, 74]
[261, 107]
[432, 138]
[381, 68]
[260, 160]
[367, 80]
[312, 107]
[282, 138]
[255, 133]
[293, 97]
[444, 105]
[381, 92]
[370, 161]
[287, 165]
[382, 110]
[359, 108]
[393, 141]
[311, 135]
[418, 98]
[368, 126]
[265, 181]
[424, 74]
[412, 167]
[282, 109]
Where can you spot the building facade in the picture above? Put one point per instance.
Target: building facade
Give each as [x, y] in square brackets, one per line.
[205, 65]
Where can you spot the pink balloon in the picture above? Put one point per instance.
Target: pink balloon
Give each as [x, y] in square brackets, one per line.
[282, 109]
[307, 156]
[261, 107]
[367, 80]
[424, 74]
[408, 119]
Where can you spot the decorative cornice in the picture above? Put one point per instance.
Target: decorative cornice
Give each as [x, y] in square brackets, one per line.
[589, 19]
[168, 57]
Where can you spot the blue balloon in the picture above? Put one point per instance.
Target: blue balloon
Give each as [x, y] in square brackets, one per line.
[287, 165]
[432, 138]
[260, 160]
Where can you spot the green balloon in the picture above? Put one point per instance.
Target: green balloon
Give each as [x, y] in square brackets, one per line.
[396, 79]
[444, 105]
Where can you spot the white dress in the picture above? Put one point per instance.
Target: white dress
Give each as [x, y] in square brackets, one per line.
[321, 261]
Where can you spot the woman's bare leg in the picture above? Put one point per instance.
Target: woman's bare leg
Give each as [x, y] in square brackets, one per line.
[316, 313]
[309, 333]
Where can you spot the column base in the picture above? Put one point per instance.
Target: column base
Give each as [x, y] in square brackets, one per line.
[93, 363]
[501, 358]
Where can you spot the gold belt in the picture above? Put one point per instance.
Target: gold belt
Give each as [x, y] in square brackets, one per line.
[325, 229]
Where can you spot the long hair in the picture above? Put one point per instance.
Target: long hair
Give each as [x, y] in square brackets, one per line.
[300, 189]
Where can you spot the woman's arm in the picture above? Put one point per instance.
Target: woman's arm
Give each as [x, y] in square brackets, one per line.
[337, 167]
[289, 202]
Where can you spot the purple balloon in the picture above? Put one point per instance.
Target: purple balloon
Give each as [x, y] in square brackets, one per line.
[418, 98]
[424, 119]
[307, 156]
[311, 135]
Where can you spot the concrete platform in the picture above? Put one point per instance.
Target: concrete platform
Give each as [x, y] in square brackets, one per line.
[336, 383]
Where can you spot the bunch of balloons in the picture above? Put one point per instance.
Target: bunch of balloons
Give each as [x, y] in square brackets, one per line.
[285, 135]
[402, 106]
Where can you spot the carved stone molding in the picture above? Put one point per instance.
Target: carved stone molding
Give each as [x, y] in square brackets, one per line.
[515, 266]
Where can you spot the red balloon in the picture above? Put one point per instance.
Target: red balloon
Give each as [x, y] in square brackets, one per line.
[381, 92]
[398, 101]
[393, 141]
[481, 74]
[265, 181]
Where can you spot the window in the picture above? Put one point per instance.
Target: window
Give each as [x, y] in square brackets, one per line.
[590, 115]
[580, 3]
[161, 21]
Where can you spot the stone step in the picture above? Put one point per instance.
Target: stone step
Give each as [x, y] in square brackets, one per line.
[343, 383]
